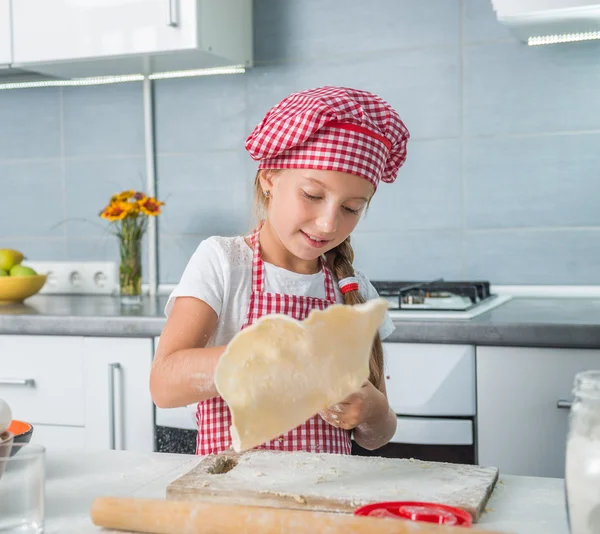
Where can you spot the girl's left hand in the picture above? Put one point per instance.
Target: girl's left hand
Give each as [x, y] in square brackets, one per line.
[355, 409]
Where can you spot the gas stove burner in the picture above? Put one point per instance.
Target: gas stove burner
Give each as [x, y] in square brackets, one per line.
[439, 295]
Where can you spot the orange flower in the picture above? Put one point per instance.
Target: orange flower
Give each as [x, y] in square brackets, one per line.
[126, 195]
[115, 212]
[151, 207]
[131, 204]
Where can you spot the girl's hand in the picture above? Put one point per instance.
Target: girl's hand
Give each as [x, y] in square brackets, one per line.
[358, 408]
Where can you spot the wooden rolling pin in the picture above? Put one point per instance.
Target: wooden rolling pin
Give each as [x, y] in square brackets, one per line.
[158, 516]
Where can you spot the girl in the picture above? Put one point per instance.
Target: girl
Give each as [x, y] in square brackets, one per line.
[321, 154]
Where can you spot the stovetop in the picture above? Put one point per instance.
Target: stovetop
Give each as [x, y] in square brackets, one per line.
[438, 298]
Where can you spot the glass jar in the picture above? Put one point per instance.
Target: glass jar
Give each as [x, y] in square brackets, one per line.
[582, 476]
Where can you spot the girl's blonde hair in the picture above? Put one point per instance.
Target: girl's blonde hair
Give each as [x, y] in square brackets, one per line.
[339, 260]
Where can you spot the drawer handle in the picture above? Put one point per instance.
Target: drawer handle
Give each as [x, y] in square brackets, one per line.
[112, 411]
[564, 404]
[26, 382]
[172, 13]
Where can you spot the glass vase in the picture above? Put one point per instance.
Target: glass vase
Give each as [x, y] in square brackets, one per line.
[130, 270]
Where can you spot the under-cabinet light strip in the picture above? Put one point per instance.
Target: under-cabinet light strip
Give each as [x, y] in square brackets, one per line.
[103, 80]
[99, 80]
[564, 38]
[237, 69]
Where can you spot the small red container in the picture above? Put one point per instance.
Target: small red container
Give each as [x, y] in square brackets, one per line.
[418, 511]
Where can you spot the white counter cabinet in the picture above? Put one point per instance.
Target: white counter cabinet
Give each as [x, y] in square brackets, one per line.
[523, 396]
[78, 391]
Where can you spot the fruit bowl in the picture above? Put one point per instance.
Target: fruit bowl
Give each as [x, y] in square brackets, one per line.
[18, 288]
[21, 432]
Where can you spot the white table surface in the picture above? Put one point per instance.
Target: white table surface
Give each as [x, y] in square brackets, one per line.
[521, 505]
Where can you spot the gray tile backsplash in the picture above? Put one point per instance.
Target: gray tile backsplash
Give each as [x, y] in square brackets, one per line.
[217, 193]
[103, 120]
[540, 256]
[30, 124]
[313, 29]
[200, 114]
[501, 180]
[428, 195]
[89, 184]
[541, 182]
[33, 199]
[511, 88]
[409, 255]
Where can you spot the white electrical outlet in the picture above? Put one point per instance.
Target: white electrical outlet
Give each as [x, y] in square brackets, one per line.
[78, 277]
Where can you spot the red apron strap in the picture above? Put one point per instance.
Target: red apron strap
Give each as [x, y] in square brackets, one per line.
[329, 290]
[258, 269]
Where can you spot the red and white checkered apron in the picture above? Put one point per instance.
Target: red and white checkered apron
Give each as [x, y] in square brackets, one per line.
[213, 416]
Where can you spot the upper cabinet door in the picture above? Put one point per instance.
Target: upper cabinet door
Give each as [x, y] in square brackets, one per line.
[83, 29]
[5, 43]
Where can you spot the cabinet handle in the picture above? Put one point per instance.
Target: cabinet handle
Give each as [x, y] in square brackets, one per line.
[112, 412]
[172, 13]
[564, 404]
[27, 382]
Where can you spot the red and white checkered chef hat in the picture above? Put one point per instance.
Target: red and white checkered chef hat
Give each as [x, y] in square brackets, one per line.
[332, 128]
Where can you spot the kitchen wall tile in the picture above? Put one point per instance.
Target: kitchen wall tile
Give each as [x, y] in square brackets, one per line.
[102, 248]
[408, 255]
[534, 181]
[37, 248]
[422, 85]
[206, 193]
[30, 123]
[309, 29]
[32, 199]
[90, 183]
[204, 113]
[481, 24]
[175, 253]
[426, 195]
[103, 120]
[510, 88]
[534, 257]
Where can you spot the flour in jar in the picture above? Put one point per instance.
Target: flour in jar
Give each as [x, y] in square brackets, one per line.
[583, 483]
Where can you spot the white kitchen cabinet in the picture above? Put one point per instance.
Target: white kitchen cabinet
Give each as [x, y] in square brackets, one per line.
[80, 391]
[5, 34]
[426, 379]
[119, 412]
[521, 426]
[81, 38]
[41, 377]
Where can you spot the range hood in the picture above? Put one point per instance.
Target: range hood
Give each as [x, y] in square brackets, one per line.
[539, 22]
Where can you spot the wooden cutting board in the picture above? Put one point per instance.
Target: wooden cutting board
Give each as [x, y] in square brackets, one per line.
[332, 482]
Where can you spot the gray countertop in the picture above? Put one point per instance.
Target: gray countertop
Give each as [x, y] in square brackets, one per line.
[533, 322]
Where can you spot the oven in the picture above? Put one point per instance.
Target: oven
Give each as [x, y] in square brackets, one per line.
[431, 389]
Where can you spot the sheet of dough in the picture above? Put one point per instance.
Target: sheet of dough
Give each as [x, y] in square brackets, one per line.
[279, 372]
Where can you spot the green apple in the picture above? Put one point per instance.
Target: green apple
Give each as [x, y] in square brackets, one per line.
[9, 258]
[21, 270]
[3, 272]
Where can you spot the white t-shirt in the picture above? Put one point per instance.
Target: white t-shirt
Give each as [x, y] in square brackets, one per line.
[220, 274]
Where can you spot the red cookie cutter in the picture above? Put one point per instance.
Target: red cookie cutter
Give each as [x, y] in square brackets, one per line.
[418, 511]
